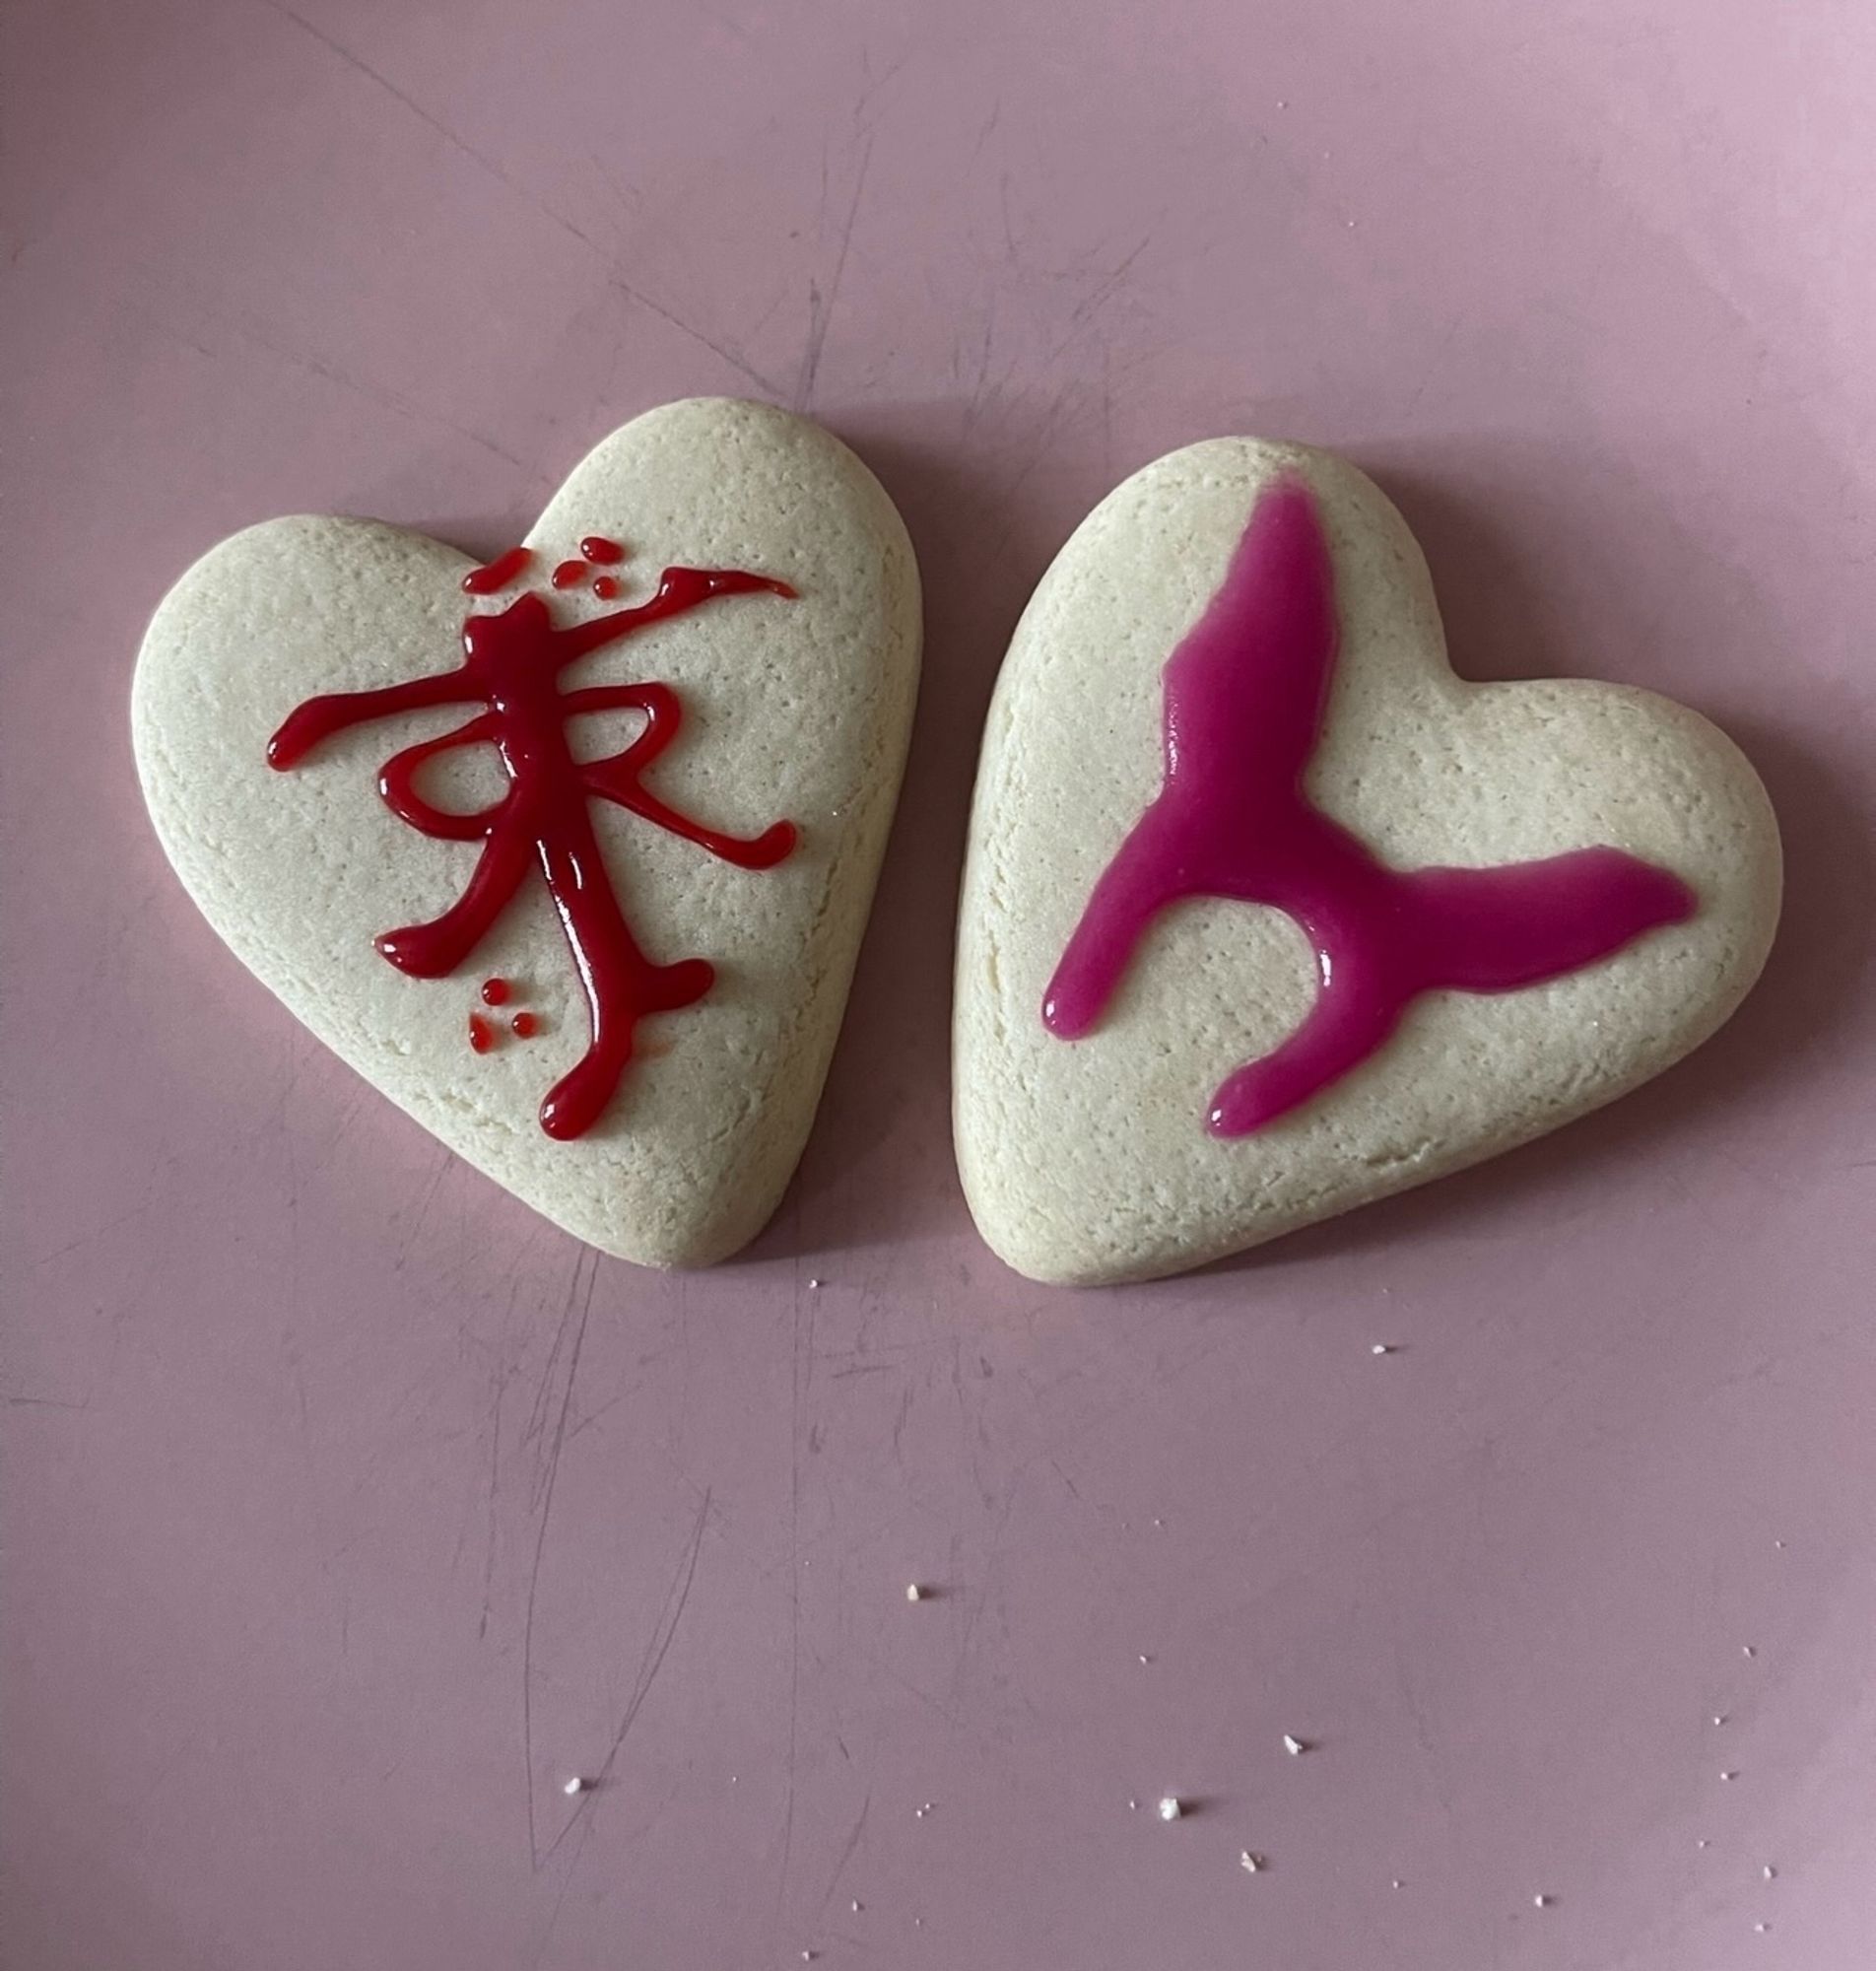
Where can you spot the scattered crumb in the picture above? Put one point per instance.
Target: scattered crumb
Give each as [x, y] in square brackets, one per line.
[1133, 1807]
[1146, 1660]
[814, 1286]
[1294, 1745]
[1719, 1716]
[1702, 1844]
[1171, 1808]
[856, 1905]
[1542, 1901]
[1398, 1883]
[1762, 1927]
[1251, 1864]
[572, 1787]
[915, 1592]
[1729, 1776]
[919, 1812]
[1747, 1649]
[1770, 1872]
[1779, 1545]
[1380, 1347]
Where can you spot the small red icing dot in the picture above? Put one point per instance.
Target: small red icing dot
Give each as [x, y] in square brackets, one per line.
[526, 1026]
[605, 586]
[481, 1034]
[495, 991]
[569, 574]
[596, 547]
[497, 574]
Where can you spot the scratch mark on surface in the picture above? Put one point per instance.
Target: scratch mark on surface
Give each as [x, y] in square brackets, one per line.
[422, 1211]
[591, 1261]
[1091, 303]
[441, 129]
[989, 125]
[820, 309]
[720, 349]
[873, 88]
[85, 1238]
[1432, 365]
[847, 1854]
[899, 1424]
[795, 1598]
[373, 393]
[989, 1584]
[663, 1634]
[495, 1485]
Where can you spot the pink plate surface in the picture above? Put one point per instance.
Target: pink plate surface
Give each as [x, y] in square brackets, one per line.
[350, 1510]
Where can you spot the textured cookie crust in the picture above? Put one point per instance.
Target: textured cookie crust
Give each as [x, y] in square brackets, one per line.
[1088, 1162]
[797, 710]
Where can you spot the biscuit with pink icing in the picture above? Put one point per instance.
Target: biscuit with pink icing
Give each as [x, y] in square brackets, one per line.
[1268, 913]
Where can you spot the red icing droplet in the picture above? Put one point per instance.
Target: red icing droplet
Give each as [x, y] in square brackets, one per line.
[510, 673]
[495, 991]
[526, 1026]
[606, 586]
[498, 573]
[596, 547]
[1247, 694]
[569, 574]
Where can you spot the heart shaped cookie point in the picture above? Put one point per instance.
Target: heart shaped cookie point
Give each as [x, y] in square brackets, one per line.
[690, 793]
[1303, 691]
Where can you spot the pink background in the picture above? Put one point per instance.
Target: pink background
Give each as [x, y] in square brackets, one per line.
[350, 1508]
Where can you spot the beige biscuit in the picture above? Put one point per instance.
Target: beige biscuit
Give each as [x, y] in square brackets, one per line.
[792, 709]
[1088, 1161]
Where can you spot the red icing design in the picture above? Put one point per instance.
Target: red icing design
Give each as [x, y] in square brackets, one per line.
[606, 586]
[511, 668]
[596, 547]
[1247, 693]
[481, 1034]
[495, 991]
[568, 575]
[524, 1026]
[498, 573]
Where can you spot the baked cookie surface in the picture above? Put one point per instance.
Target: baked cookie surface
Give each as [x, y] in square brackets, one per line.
[1268, 913]
[569, 855]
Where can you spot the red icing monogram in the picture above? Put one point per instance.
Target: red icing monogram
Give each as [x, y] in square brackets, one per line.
[1247, 693]
[511, 668]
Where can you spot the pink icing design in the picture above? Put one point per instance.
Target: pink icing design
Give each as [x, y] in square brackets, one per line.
[1247, 693]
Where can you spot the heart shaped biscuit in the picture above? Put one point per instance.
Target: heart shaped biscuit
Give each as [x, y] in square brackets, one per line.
[1266, 913]
[573, 865]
